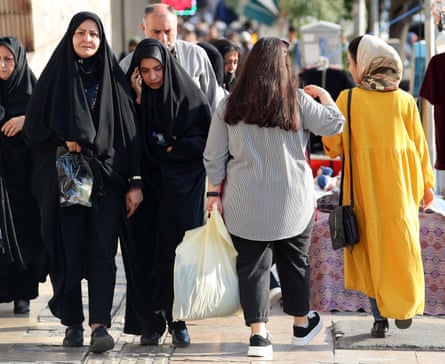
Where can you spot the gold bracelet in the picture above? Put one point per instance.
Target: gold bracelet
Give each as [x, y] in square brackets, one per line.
[134, 178]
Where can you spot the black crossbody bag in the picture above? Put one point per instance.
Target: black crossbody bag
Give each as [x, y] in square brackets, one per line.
[342, 221]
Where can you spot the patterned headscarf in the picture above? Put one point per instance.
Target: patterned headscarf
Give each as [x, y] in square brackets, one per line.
[379, 66]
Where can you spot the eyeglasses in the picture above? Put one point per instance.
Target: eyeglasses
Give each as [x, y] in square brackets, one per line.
[6, 60]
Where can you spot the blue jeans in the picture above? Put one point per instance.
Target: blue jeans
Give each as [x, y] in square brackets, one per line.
[375, 310]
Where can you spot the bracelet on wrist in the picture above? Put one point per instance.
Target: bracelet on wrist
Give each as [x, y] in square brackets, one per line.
[134, 178]
[212, 194]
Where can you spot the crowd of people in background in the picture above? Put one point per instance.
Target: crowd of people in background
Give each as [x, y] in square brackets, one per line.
[196, 99]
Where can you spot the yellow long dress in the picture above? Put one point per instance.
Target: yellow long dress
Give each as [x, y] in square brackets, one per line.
[391, 169]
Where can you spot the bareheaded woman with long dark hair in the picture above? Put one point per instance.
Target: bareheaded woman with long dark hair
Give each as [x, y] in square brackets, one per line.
[257, 146]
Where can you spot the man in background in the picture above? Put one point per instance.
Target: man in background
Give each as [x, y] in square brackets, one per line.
[160, 22]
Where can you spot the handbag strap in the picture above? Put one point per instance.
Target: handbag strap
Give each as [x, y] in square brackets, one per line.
[350, 159]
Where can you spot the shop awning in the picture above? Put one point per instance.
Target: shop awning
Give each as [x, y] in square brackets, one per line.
[263, 11]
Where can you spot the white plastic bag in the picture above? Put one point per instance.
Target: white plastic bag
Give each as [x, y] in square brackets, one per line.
[205, 279]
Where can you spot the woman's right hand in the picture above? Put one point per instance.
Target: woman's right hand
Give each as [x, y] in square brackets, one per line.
[428, 198]
[73, 147]
[133, 198]
[317, 91]
[13, 126]
[210, 201]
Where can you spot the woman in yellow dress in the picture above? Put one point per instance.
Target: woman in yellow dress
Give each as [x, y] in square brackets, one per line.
[392, 178]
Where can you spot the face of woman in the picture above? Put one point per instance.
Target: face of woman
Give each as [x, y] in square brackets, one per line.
[353, 68]
[231, 62]
[7, 63]
[86, 39]
[152, 73]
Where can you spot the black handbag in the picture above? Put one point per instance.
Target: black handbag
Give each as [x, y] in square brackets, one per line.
[342, 221]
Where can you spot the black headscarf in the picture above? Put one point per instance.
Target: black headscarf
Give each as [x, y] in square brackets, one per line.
[17, 89]
[216, 59]
[178, 109]
[59, 108]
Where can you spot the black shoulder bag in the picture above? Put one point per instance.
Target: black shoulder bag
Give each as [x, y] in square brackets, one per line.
[342, 222]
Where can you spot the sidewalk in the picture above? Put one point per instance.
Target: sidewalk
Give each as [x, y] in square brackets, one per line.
[37, 338]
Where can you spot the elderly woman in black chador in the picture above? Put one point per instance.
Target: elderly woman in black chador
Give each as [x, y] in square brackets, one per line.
[21, 250]
[82, 102]
[174, 118]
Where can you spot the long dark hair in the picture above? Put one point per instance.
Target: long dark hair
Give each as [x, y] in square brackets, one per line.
[265, 92]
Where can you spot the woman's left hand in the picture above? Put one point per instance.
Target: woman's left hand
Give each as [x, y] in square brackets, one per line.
[13, 126]
[133, 199]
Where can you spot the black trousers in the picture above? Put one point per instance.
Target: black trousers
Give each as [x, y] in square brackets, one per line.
[90, 237]
[253, 267]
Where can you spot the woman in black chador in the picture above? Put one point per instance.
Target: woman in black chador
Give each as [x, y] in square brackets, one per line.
[21, 249]
[82, 103]
[174, 118]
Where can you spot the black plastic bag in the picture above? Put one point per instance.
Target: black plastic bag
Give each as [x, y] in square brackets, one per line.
[75, 180]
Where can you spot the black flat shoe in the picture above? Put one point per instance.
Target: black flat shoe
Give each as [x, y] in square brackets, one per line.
[180, 335]
[73, 336]
[380, 329]
[403, 324]
[21, 306]
[150, 340]
[101, 340]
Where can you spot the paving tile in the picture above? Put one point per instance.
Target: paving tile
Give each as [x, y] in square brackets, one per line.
[37, 337]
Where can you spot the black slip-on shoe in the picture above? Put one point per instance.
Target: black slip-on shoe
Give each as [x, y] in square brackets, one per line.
[180, 335]
[380, 329]
[73, 336]
[101, 340]
[152, 339]
[21, 306]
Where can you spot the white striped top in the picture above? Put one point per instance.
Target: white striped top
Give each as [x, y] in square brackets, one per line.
[269, 189]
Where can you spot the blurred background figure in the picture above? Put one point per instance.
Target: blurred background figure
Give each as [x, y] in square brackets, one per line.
[132, 44]
[245, 40]
[409, 47]
[231, 54]
[294, 48]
